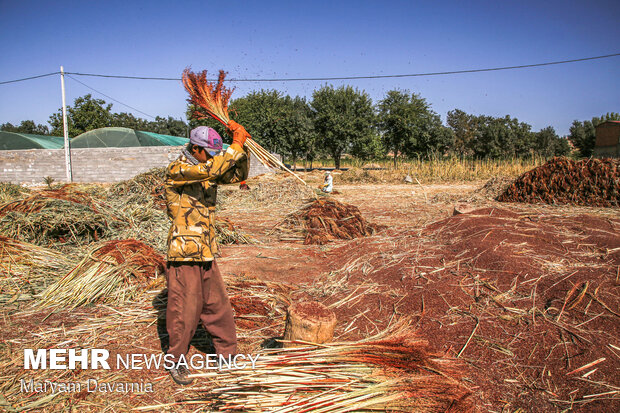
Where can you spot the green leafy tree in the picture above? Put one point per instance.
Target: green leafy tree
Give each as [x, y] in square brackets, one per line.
[583, 134]
[547, 143]
[299, 139]
[501, 137]
[128, 120]
[279, 123]
[343, 119]
[410, 127]
[263, 114]
[85, 114]
[167, 126]
[26, 126]
[464, 127]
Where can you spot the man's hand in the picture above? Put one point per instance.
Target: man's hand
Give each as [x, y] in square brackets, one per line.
[238, 133]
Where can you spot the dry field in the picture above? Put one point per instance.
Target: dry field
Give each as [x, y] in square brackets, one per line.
[522, 298]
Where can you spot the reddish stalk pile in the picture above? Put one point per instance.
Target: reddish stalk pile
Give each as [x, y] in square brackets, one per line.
[113, 272]
[39, 199]
[393, 373]
[589, 182]
[325, 220]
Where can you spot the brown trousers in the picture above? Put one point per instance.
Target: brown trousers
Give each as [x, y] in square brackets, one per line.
[196, 292]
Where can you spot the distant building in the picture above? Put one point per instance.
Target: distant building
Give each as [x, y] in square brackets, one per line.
[607, 144]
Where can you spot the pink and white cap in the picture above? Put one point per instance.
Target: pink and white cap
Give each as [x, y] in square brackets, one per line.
[207, 138]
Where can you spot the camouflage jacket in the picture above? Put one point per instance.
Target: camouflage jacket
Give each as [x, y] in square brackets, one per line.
[191, 190]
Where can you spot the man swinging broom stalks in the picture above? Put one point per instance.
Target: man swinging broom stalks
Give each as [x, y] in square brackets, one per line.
[196, 291]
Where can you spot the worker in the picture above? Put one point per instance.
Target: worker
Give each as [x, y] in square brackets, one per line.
[196, 291]
[328, 185]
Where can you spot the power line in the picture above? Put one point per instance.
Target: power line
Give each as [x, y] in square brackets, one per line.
[299, 79]
[110, 97]
[28, 78]
[453, 72]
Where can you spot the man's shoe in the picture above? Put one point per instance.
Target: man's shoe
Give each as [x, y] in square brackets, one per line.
[180, 375]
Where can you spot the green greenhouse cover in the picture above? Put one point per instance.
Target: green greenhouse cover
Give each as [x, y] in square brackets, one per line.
[124, 137]
[14, 140]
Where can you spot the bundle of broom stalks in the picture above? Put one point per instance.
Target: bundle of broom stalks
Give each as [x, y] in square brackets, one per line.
[26, 269]
[211, 100]
[55, 215]
[397, 372]
[112, 272]
[324, 220]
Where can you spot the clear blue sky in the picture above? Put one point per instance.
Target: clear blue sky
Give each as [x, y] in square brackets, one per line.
[317, 39]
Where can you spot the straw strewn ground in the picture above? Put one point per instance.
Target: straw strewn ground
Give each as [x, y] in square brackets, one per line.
[513, 310]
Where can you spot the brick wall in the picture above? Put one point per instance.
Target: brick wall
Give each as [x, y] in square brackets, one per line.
[30, 166]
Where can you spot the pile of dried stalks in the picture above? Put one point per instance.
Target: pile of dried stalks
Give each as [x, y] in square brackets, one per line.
[589, 182]
[141, 187]
[112, 272]
[396, 372]
[9, 191]
[64, 215]
[26, 269]
[287, 191]
[324, 220]
[490, 190]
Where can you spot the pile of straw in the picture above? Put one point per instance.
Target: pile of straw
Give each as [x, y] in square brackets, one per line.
[227, 233]
[9, 191]
[288, 192]
[25, 269]
[588, 182]
[112, 272]
[394, 373]
[141, 187]
[64, 215]
[324, 220]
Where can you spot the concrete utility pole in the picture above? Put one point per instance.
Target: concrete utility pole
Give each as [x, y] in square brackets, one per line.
[66, 130]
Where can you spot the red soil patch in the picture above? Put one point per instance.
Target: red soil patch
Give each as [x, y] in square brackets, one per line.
[589, 182]
[524, 299]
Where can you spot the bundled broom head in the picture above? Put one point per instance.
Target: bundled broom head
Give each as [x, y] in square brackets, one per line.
[210, 99]
[324, 220]
[112, 272]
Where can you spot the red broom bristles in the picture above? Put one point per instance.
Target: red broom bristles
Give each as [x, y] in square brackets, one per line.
[213, 98]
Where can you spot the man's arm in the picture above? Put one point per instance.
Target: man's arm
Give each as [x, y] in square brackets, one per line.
[215, 169]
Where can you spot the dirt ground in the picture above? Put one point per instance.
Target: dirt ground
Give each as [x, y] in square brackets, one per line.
[465, 285]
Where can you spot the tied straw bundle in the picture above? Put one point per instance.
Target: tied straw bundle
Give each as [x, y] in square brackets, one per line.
[213, 98]
[393, 371]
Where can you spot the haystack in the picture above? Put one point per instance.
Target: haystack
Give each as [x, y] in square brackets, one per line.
[64, 215]
[112, 272]
[324, 220]
[141, 187]
[26, 269]
[589, 182]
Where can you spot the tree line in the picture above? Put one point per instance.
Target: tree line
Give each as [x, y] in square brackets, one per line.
[88, 113]
[344, 120]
